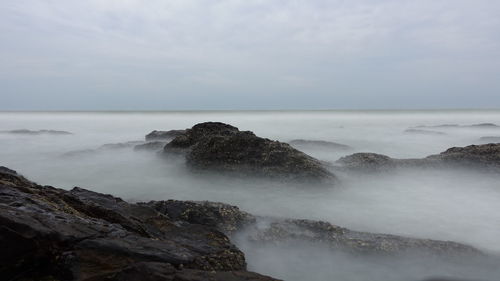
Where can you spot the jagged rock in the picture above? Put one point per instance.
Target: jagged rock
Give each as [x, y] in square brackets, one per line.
[318, 144]
[150, 146]
[53, 234]
[424, 132]
[224, 217]
[223, 148]
[163, 135]
[39, 132]
[290, 231]
[484, 157]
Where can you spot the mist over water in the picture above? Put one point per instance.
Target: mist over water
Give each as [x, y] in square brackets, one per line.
[457, 205]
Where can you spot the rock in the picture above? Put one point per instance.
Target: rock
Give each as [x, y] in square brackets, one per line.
[291, 231]
[424, 132]
[223, 148]
[318, 144]
[490, 139]
[150, 146]
[164, 135]
[485, 157]
[224, 217]
[477, 126]
[367, 162]
[480, 156]
[103, 148]
[39, 132]
[52, 234]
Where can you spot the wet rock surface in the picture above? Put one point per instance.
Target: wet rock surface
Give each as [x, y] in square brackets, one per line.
[290, 231]
[319, 144]
[163, 135]
[53, 234]
[214, 146]
[485, 157]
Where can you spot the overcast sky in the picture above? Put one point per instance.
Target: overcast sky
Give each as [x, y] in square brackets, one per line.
[244, 54]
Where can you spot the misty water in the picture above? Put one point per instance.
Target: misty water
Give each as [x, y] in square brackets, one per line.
[457, 205]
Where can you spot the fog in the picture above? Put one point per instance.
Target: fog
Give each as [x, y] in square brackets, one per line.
[457, 205]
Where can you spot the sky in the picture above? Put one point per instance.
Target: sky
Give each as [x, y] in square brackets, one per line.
[249, 54]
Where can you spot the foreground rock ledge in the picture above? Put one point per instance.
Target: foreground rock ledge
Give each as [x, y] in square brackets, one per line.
[223, 148]
[52, 234]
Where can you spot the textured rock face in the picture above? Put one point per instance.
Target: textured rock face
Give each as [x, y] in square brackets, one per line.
[53, 234]
[223, 148]
[163, 135]
[224, 217]
[319, 144]
[290, 231]
[485, 157]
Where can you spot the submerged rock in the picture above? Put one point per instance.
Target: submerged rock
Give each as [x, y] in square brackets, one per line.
[163, 135]
[103, 148]
[490, 139]
[53, 234]
[319, 144]
[478, 126]
[483, 157]
[223, 148]
[38, 132]
[290, 231]
[424, 132]
[150, 146]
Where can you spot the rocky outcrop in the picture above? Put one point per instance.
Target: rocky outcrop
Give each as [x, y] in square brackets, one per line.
[484, 157]
[103, 148]
[318, 144]
[163, 135]
[424, 132]
[457, 126]
[220, 147]
[490, 139]
[39, 132]
[224, 217]
[150, 146]
[290, 231]
[52, 234]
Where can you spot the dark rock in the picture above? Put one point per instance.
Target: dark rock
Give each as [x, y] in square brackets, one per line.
[424, 132]
[47, 233]
[223, 148]
[164, 135]
[224, 217]
[39, 132]
[481, 156]
[490, 139]
[367, 162]
[485, 125]
[319, 144]
[290, 231]
[484, 157]
[150, 146]
[156, 271]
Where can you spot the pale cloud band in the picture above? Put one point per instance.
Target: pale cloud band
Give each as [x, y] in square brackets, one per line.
[249, 54]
